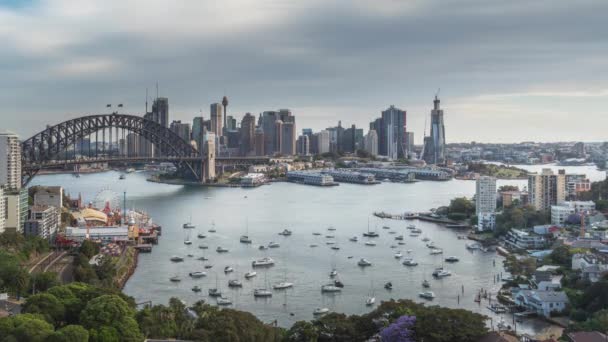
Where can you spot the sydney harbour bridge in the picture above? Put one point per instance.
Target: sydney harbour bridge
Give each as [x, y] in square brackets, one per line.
[47, 149]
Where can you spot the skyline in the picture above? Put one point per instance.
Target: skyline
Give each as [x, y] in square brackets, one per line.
[515, 65]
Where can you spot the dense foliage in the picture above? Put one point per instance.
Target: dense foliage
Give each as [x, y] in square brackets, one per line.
[519, 217]
[498, 171]
[598, 194]
[461, 208]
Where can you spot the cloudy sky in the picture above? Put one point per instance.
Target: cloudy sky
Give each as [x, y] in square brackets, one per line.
[508, 70]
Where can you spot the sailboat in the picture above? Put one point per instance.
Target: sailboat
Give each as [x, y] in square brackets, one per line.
[370, 300]
[284, 284]
[263, 291]
[245, 238]
[215, 292]
[187, 241]
[189, 225]
[212, 230]
[370, 233]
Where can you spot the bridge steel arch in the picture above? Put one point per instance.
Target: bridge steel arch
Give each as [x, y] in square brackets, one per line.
[39, 150]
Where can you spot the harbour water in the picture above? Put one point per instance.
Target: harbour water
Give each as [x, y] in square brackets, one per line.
[265, 211]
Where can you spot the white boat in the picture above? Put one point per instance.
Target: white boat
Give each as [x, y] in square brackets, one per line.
[426, 284]
[409, 262]
[221, 249]
[370, 243]
[473, 246]
[223, 301]
[401, 243]
[286, 232]
[262, 293]
[364, 262]
[245, 239]
[330, 288]
[228, 269]
[130, 170]
[316, 233]
[187, 242]
[262, 248]
[451, 259]
[197, 274]
[335, 248]
[282, 285]
[175, 279]
[320, 311]
[235, 283]
[201, 236]
[214, 293]
[189, 226]
[370, 301]
[398, 255]
[436, 251]
[250, 275]
[267, 261]
[212, 230]
[430, 245]
[331, 228]
[176, 258]
[441, 273]
[354, 239]
[427, 294]
[273, 244]
[333, 273]
[417, 231]
[369, 233]
[411, 226]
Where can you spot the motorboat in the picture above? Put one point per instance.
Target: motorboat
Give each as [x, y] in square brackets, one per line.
[330, 288]
[398, 255]
[223, 301]
[208, 266]
[202, 258]
[188, 226]
[316, 233]
[338, 283]
[371, 234]
[369, 301]
[333, 273]
[250, 275]
[386, 227]
[427, 295]
[331, 229]
[473, 246]
[388, 286]
[441, 273]
[175, 279]
[435, 251]
[335, 248]
[417, 231]
[401, 243]
[426, 239]
[221, 249]
[330, 236]
[426, 284]
[370, 243]
[393, 246]
[410, 262]
[187, 242]
[262, 293]
[245, 239]
[363, 262]
[414, 234]
[409, 251]
[201, 236]
[399, 238]
[130, 170]
[197, 274]
[176, 258]
[203, 247]
[273, 244]
[313, 245]
[282, 285]
[392, 232]
[262, 248]
[451, 259]
[320, 311]
[235, 283]
[214, 293]
[286, 232]
[190, 255]
[267, 261]
[196, 289]
[330, 242]
[411, 226]
[430, 245]
[354, 239]
[228, 269]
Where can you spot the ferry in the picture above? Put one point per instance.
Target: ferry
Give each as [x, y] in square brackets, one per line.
[262, 262]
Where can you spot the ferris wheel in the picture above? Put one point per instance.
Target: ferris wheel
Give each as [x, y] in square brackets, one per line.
[106, 197]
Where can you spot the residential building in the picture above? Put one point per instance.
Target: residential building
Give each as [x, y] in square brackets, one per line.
[181, 129]
[50, 196]
[303, 148]
[43, 222]
[543, 303]
[209, 148]
[520, 239]
[10, 161]
[288, 139]
[14, 214]
[322, 142]
[547, 189]
[485, 202]
[371, 142]
[576, 184]
[216, 119]
[2, 210]
[434, 149]
[561, 212]
[391, 129]
[247, 144]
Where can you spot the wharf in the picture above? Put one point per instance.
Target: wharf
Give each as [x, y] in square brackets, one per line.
[144, 248]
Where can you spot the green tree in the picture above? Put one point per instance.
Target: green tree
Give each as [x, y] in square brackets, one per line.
[43, 281]
[561, 256]
[302, 331]
[25, 327]
[113, 312]
[47, 306]
[461, 205]
[89, 248]
[70, 333]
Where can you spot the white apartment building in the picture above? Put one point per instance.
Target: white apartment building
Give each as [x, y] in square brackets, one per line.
[51, 196]
[2, 210]
[371, 142]
[10, 161]
[485, 202]
[43, 222]
[13, 212]
[561, 212]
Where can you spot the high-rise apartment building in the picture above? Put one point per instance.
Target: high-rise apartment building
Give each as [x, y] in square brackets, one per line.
[303, 145]
[485, 202]
[323, 142]
[10, 161]
[391, 128]
[160, 111]
[409, 145]
[288, 139]
[2, 210]
[371, 142]
[216, 119]
[547, 189]
[247, 143]
[434, 149]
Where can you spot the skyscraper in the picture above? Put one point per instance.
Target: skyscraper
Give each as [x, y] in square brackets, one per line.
[303, 145]
[225, 105]
[247, 134]
[547, 189]
[216, 119]
[371, 142]
[268, 122]
[434, 149]
[160, 111]
[197, 130]
[10, 161]
[288, 139]
[182, 129]
[485, 202]
[259, 141]
[394, 121]
[409, 145]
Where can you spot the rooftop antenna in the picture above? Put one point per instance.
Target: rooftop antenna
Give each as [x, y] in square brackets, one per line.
[146, 100]
[157, 90]
[437, 93]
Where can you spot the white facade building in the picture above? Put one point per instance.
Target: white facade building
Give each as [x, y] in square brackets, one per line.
[10, 161]
[519, 239]
[51, 196]
[13, 212]
[2, 210]
[371, 142]
[43, 222]
[542, 302]
[485, 202]
[561, 212]
[323, 141]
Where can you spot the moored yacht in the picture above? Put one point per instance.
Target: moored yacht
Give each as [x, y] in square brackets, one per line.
[228, 269]
[427, 295]
[223, 301]
[196, 288]
[364, 262]
[262, 293]
[409, 262]
[175, 279]
[286, 232]
[398, 255]
[273, 244]
[197, 274]
[369, 301]
[251, 274]
[282, 285]
[235, 283]
[330, 288]
[320, 311]
[399, 238]
[214, 293]
[176, 258]
[245, 239]
[451, 259]
[267, 261]
[435, 251]
[354, 239]
[370, 243]
[221, 249]
[441, 272]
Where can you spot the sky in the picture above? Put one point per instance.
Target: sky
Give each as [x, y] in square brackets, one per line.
[505, 71]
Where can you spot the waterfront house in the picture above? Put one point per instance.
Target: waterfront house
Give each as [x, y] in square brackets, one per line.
[541, 302]
[520, 239]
